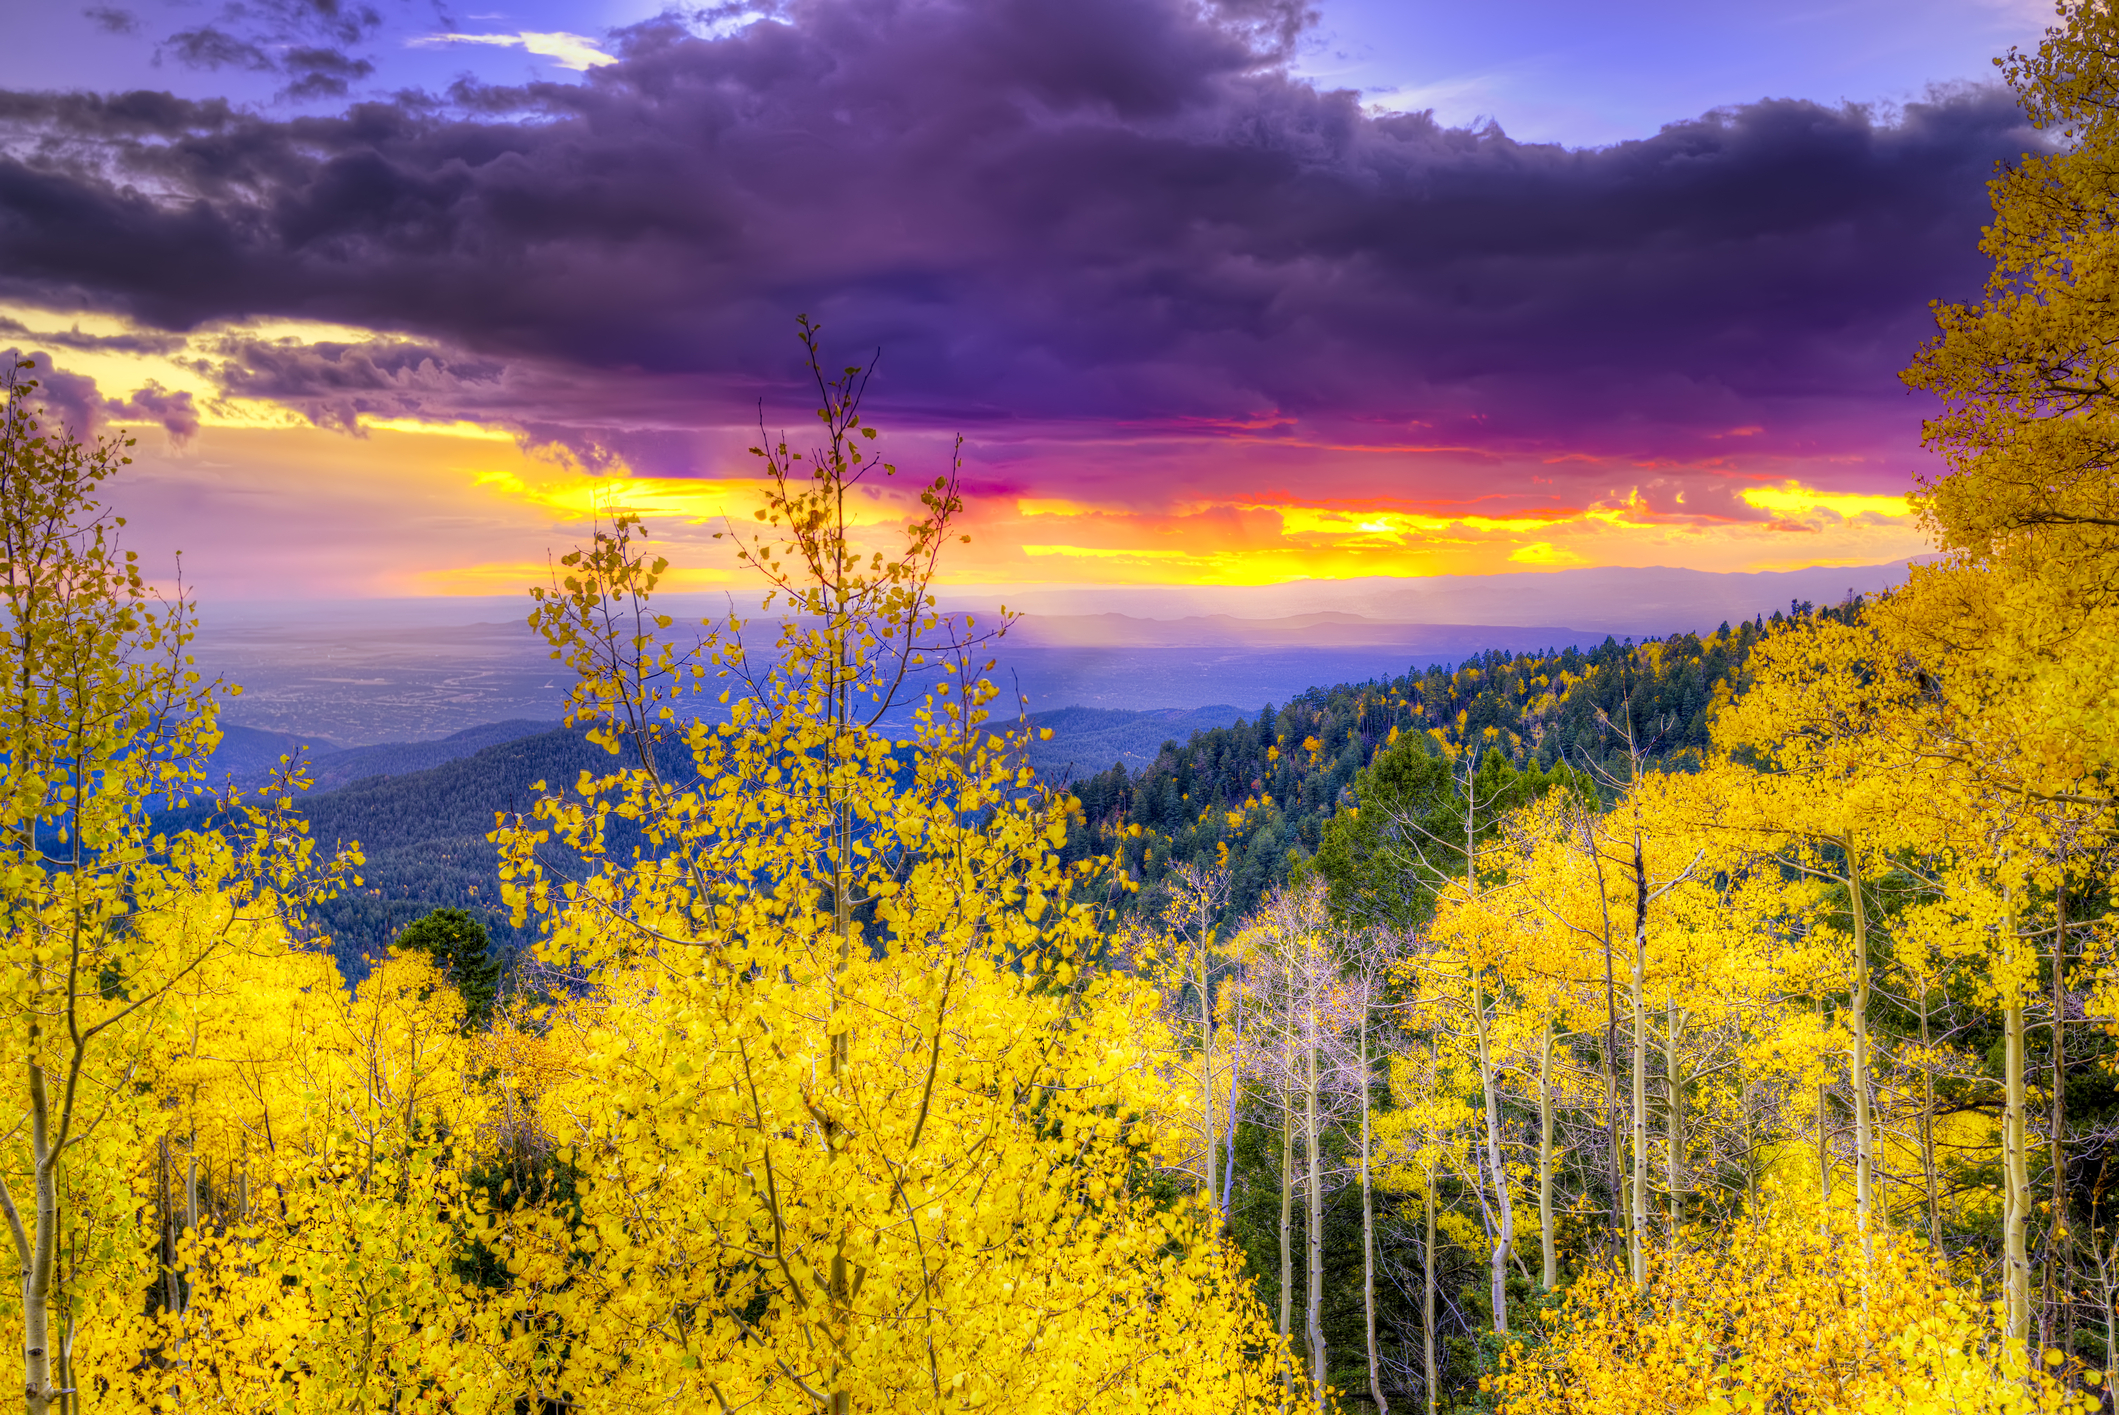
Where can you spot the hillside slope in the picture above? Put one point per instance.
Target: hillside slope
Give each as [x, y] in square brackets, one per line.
[1261, 785]
[248, 755]
[1265, 786]
[423, 834]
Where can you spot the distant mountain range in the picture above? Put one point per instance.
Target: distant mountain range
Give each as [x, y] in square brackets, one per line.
[421, 810]
[338, 673]
[1321, 630]
[1640, 601]
[324, 676]
[1329, 629]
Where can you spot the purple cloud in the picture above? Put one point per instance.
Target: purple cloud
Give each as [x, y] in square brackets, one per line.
[73, 403]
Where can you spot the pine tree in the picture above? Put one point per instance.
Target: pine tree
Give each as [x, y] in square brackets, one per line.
[457, 942]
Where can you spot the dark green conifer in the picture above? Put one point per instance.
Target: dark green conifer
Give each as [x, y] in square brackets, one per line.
[456, 940]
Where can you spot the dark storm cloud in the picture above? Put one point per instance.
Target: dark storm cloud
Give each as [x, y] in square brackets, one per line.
[1047, 210]
[210, 47]
[71, 400]
[335, 385]
[306, 40]
[105, 343]
[112, 20]
[324, 72]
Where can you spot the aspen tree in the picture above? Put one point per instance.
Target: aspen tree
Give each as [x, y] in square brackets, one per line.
[1548, 1249]
[1482, 808]
[1560, 970]
[1627, 849]
[853, 1124]
[1581, 834]
[1829, 715]
[1313, 1218]
[1782, 1316]
[1536, 910]
[1370, 960]
[2027, 507]
[1195, 897]
[1426, 1133]
[100, 917]
[1918, 960]
[1298, 972]
[2015, 1147]
[2059, 1236]
[1365, 1073]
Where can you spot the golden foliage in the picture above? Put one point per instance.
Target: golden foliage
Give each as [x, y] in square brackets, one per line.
[1780, 1312]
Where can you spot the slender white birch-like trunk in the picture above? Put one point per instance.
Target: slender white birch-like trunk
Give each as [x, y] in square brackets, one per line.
[2015, 1257]
[1674, 1121]
[1858, 1024]
[2016, 1178]
[1208, 1133]
[1313, 1236]
[1287, 1214]
[1546, 1247]
[1368, 1227]
[1427, 1302]
[1639, 981]
[1497, 1172]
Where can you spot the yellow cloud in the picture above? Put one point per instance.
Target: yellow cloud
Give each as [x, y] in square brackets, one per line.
[478, 432]
[579, 495]
[1795, 499]
[1400, 525]
[1100, 552]
[1052, 506]
[1545, 553]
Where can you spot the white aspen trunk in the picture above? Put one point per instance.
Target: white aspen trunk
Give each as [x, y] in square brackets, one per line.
[38, 1246]
[1620, 1229]
[1750, 1152]
[2016, 1268]
[1427, 1301]
[1287, 1159]
[1858, 1022]
[1207, 1131]
[1368, 1229]
[1313, 1236]
[1673, 1123]
[1927, 1129]
[1824, 1138]
[2015, 1158]
[1228, 1173]
[2060, 1245]
[1545, 1233]
[38, 1391]
[840, 1035]
[1639, 980]
[1505, 1213]
[1287, 1213]
[2110, 1291]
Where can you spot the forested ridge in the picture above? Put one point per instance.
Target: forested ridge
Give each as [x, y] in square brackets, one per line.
[424, 838]
[1264, 788]
[1704, 1025]
[423, 829]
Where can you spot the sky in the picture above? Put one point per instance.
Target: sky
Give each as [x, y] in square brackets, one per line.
[393, 296]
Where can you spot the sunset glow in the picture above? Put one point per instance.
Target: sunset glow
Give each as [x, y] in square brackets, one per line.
[1429, 351]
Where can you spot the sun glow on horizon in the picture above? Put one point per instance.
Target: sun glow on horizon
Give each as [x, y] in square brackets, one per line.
[346, 479]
